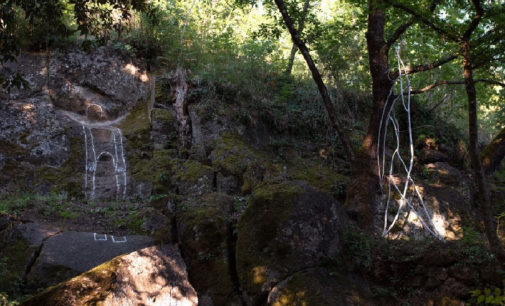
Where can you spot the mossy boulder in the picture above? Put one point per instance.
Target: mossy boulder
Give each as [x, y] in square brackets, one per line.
[155, 170]
[319, 175]
[157, 225]
[19, 245]
[205, 243]
[321, 286]
[14, 258]
[70, 253]
[231, 155]
[194, 178]
[286, 227]
[160, 275]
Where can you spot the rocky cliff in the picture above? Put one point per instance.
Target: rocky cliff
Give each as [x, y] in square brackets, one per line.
[97, 152]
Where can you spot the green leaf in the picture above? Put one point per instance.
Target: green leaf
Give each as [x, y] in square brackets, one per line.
[497, 292]
[481, 299]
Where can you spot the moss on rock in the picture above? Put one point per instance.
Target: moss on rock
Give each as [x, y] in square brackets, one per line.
[14, 258]
[316, 174]
[231, 155]
[137, 121]
[163, 115]
[51, 176]
[204, 243]
[192, 170]
[158, 169]
[88, 288]
[269, 207]
[317, 287]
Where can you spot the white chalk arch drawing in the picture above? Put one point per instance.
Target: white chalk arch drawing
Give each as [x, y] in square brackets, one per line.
[92, 158]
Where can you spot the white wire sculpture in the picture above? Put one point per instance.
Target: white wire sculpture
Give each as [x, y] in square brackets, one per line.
[412, 200]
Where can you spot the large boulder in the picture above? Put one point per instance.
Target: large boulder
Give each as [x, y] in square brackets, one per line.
[448, 196]
[321, 286]
[287, 227]
[150, 276]
[206, 243]
[19, 246]
[70, 253]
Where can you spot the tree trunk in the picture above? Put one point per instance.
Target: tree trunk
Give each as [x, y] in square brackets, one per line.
[363, 194]
[493, 153]
[323, 91]
[180, 88]
[480, 179]
[300, 29]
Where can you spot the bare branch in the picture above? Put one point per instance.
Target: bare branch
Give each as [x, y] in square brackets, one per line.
[492, 82]
[454, 82]
[420, 68]
[431, 86]
[399, 32]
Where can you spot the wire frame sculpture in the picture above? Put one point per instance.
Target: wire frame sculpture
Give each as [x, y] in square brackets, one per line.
[408, 196]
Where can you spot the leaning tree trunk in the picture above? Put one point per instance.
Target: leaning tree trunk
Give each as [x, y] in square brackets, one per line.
[363, 193]
[493, 154]
[323, 91]
[479, 177]
[291, 59]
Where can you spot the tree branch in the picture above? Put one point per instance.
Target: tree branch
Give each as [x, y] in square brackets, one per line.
[317, 79]
[454, 82]
[399, 32]
[479, 12]
[427, 22]
[420, 68]
[492, 82]
[404, 27]
[431, 86]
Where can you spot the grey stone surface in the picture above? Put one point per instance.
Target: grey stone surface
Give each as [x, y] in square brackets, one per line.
[80, 251]
[35, 233]
[67, 254]
[41, 137]
[150, 276]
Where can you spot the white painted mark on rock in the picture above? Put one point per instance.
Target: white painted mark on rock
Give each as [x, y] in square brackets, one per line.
[117, 156]
[120, 240]
[96, 237]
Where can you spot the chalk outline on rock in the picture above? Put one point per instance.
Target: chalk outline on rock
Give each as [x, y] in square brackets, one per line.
[123, 240]
[99, 239]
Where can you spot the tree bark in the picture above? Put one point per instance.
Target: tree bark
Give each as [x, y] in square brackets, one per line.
[323, 91]
[179, 83]
[479, 177]
[300, 29]
[493, 154]
[363, 194]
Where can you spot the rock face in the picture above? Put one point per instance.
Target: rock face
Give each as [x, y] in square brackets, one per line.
[19, 246]
[286, 228]
[206, 236]
[448, 195]
[67, 254]
[66, 123]
[150, 276]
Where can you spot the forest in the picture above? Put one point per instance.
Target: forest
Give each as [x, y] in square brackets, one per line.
[252, 152]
